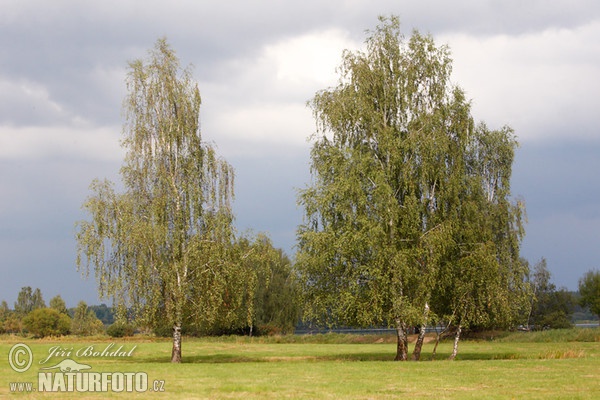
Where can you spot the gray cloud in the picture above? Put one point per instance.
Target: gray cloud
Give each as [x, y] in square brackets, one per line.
[532, 65]
[40, 203]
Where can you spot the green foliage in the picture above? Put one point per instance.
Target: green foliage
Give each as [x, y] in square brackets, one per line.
[274, 307]
[277, 297]
[43, 322]
[589, 289]
[409, 209]
[85, 322]
[261, 294]
[119, 329]
[557, 319]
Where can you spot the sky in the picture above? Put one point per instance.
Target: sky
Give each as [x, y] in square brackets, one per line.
[532, 65]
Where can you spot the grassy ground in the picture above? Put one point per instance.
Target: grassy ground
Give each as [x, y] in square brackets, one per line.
[520, 366]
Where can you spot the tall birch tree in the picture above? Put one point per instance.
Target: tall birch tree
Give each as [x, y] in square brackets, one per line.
[162, 247]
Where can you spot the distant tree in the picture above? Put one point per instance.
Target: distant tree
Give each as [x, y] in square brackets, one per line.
[24, 303]
[269, 301]
[550, 308]
[104, 313]
[4, 310]
[277, 297]
[589, 289]
[10, 321]
[28, 300]
[85, 322]
[236, 309]
[43, 322]
[163, 247]
[4, 313]
[37, 299]
[58, 304]
[540, 283]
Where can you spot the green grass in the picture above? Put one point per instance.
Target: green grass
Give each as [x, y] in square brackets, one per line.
[529, 366]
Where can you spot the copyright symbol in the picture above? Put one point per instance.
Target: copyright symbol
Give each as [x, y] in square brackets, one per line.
[20, 357]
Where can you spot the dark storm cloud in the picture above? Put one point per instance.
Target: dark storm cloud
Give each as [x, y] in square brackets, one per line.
[558, 181]
[40, 203]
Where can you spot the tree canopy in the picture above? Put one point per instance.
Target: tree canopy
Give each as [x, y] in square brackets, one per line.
[408, 214]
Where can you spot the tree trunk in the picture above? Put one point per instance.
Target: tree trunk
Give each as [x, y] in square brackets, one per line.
[176, 353]
[437, 341]
[455, 347]
[438, 336]
[402, 347]
[416, 356]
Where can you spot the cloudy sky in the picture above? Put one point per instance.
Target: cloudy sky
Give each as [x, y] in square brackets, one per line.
[529, 64]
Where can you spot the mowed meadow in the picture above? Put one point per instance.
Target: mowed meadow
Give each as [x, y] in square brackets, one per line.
[546, 365]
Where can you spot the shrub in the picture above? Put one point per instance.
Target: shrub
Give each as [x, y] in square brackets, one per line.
[13, 324]
[119, 329]
[44, 322]
[555, 320]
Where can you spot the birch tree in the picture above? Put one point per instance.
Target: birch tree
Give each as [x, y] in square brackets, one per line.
[395, 156]
[154, 245]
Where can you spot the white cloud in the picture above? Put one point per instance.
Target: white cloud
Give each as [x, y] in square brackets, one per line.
[310, 58]
[252, 130]
[262, 101]
[543, 84]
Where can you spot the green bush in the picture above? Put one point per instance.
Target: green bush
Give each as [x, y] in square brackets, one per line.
[119, 329]
[555, 320]
[44, 322]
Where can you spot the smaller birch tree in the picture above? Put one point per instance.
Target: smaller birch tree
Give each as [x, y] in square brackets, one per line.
[162, 247]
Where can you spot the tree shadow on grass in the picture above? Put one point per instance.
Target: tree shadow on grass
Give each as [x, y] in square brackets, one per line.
[231, 358]
[346, 357]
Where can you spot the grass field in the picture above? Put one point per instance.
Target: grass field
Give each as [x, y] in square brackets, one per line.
[521, 366]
